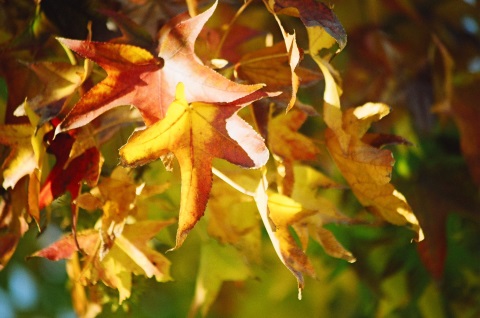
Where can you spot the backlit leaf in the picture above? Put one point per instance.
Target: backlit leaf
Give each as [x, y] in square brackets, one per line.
[368, 169]
[288, 146]
[130, 254]
[196, 133]
[136, 77]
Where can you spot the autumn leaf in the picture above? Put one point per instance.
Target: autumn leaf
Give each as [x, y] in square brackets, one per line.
[368, 169]
[307, 222]
[232, 216]
[21, 159]
[271, 66]
[136, 77]
[288, 145]
[218, 263]
[294, 56]
[130, 254]
[305, 192]
[216, 41]
[67, 174]
[315, 15]
[13, 221]
[116, 196]
[196, 133]
[60, 81]
[26, 156]
[289, 253]
[84, 306]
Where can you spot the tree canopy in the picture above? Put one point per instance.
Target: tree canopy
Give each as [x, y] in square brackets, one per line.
[240, 158]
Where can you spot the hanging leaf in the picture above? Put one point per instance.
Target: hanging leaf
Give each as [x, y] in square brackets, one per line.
[196, 133]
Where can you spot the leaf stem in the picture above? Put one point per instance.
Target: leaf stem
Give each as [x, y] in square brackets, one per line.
[229, 27]
[263, 58]
[232, 183]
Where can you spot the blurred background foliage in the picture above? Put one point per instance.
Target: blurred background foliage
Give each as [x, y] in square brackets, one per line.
[420, 57]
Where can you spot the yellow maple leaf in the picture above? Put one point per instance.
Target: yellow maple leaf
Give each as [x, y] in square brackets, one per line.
[196, 134]
[368, 169]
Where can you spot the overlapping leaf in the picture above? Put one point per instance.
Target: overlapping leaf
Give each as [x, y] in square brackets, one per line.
[233, 217]
[129, 254]
[60, 81]
[272, 66]
[21, 160]
[68, 173]
[115, 196]
[368, 169]
[138, 78]
[218, 263]
[288, 146]
[196, 133]
[306, 213]
[13, 221]
[316, 16]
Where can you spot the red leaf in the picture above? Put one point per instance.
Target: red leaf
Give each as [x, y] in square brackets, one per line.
[138, 78]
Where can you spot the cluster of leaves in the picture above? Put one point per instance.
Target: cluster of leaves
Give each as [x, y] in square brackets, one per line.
[197, 87]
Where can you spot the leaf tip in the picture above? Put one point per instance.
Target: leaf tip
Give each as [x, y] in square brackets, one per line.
[181, 236]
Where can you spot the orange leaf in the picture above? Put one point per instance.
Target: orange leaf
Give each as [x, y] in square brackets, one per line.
[196, 133]
[130, 254]
[368, 169]
[288, 146]
[13, 222]
[136, 77]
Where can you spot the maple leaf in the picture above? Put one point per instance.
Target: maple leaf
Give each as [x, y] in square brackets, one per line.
[26, 148]
[116, 197]
[231, 42]
[129, 254]
[196, 133]
[138, 78]
[69, 171]
[307, 220]
[288, 145]
[305, 193]
[368, 169]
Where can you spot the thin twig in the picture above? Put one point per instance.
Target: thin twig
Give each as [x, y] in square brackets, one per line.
[229, 27]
